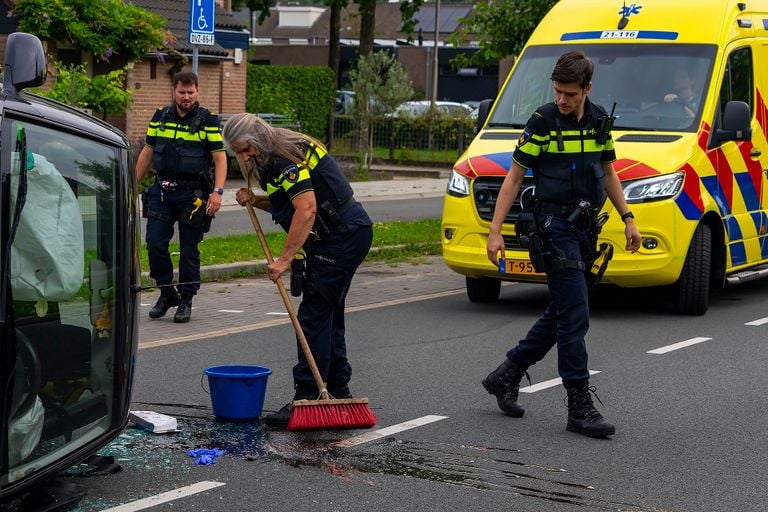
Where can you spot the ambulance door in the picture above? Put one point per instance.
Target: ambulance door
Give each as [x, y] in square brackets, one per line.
[739, 165]
[760, 136]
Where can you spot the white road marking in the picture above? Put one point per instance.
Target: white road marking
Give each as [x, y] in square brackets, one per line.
[231, 311]
[145, 304]
[760, 321]
[277, 313]
[676, 346]
[388, 431]
[548, 384]
[165, 497]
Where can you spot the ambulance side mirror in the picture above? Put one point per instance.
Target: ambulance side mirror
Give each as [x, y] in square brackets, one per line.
[737, 120]
[482, 113]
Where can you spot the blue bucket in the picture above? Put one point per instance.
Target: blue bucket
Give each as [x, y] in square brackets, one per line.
[237, 391]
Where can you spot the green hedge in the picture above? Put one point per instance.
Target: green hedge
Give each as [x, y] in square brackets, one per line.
[305, 94]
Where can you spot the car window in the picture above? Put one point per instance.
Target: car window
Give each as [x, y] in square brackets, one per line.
[637, 78]
[63, 272]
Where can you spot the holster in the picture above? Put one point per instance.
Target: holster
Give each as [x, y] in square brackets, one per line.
[525, 227]
[603, 256]
[194, 214]
[536, 252]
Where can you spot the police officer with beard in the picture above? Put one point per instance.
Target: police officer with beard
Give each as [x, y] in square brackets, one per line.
[309, 196]
[182, 141]
[568, 146]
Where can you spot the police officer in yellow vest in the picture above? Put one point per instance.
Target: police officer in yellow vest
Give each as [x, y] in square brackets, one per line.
[567, 145]
[309, 196]
[183, 139]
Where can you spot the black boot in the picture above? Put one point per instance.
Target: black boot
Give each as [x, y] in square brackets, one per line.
[582, 415]
[339, 391]
[279, 419]
[168, 299]
[504, 383]
[184, 311]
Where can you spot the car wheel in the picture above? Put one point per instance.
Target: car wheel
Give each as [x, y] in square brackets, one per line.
[693, 285]
[483, 289]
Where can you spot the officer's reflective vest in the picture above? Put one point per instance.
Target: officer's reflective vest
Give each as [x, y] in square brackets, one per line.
[570, 168]
[181, 146]
[328, 182]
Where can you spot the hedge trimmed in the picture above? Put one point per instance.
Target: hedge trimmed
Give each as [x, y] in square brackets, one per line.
[305, 94]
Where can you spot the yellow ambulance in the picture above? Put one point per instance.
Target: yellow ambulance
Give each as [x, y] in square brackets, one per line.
[689, 80]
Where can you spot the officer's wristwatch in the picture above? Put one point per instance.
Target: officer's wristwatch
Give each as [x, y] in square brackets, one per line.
[220, 191]
[628, 215]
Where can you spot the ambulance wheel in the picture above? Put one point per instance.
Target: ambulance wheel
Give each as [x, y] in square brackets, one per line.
[693, 285]
[483, 289]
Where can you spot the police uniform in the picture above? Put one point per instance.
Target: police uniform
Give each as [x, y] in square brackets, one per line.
[566, 157]
[182, 147]
[342, 235]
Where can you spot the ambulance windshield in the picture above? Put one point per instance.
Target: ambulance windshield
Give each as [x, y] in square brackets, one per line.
[655, 87]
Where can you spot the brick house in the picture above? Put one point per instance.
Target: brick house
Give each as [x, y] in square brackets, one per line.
[221, 67]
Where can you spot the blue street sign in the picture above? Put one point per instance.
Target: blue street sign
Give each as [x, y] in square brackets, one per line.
[201, 21]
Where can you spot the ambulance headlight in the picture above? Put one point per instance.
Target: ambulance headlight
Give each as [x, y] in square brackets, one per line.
[458, 185]
[653, 189]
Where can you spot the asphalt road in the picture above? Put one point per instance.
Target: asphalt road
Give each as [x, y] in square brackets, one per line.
[690, 414]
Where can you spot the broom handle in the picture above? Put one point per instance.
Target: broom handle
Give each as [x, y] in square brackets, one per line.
[289, 307]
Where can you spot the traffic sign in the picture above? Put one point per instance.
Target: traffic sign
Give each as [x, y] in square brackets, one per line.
[201, 21]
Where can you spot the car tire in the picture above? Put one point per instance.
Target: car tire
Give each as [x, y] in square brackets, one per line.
[694, 282]
[483, 289]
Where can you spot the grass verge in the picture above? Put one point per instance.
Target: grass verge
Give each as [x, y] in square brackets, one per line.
[393, 242]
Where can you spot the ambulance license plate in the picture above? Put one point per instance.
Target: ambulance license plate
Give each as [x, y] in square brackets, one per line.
[519, 267]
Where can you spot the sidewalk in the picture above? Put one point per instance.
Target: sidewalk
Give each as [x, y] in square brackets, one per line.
[248, 304]
[402, 186]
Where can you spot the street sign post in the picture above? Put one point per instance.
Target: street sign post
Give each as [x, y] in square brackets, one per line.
[201, 21]
[201, 26]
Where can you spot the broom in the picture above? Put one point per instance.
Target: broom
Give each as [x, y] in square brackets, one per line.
[325, 413]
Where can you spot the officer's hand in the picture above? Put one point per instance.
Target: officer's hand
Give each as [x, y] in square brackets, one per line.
[213, 204]
[633, 236]
[495, 247]
[277, 268]
[244, 196]
[669, 98]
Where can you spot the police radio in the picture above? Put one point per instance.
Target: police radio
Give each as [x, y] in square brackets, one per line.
[606, 125]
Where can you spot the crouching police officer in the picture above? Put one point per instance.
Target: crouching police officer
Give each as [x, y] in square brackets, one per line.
[308, 195]
[568, 146]
[182, 140]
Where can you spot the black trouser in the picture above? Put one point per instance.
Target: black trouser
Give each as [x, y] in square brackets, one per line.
[331, 265]
[165, 207]
[566, 320]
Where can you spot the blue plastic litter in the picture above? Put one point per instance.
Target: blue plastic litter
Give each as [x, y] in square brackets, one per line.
[206, 456]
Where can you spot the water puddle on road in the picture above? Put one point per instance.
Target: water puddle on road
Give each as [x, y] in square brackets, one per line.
[479, 467]
[483, 468]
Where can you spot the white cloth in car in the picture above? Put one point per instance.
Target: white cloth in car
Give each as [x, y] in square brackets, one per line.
[47, 255]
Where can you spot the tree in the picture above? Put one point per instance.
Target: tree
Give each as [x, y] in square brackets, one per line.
[103, 27]
[380, 83]
[261, 6]
[408, 8]
[367, 25]
[102, 94]
[502, 26]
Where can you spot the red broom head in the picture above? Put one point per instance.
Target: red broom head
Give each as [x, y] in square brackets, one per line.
[331, 417]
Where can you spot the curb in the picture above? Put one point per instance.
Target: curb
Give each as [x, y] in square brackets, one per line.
[250, 268]
[223, 270]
